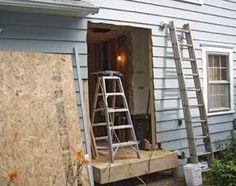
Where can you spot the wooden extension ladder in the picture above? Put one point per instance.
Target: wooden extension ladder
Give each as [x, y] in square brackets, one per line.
[109, 105]
[180, 48]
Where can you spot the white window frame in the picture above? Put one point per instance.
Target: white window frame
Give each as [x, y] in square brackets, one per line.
[199, 2]
[218, 49]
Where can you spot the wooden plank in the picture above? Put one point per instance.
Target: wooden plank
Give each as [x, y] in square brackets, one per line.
[38, 117]
[131, 166]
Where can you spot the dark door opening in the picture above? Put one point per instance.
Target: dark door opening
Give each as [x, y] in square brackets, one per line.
[127, 50]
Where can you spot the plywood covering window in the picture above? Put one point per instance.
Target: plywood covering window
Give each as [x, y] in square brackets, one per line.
[218, 79]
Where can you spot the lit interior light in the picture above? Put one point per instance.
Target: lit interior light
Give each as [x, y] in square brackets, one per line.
[119, 58]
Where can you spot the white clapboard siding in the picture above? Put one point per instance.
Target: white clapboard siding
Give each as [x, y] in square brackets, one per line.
[214, 22]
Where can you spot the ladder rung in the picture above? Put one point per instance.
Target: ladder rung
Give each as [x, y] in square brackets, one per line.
[102, 148]
[182, 30]
[188, 59]
[201, 137]
[99, 94]
[118, 110]
[193, 89]
[199, 121]
[111, 77]
[121, 127]
[186, 45]
[191, 74]
[115, 94]
[196, 106]
[203, 153]
[124, 144]
[99, 124]
[99, 109]
[101, 138]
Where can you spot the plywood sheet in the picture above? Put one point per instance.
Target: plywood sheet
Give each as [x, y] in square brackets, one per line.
[39, 127]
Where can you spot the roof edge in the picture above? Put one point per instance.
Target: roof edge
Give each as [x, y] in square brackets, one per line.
[63, 7]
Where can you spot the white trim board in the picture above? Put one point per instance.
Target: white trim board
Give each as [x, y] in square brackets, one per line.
[218, 49]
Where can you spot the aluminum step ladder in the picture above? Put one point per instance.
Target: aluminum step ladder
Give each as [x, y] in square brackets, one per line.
[109, 106]
[182, 45]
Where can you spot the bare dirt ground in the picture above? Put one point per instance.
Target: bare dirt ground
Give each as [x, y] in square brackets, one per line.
[156, 179]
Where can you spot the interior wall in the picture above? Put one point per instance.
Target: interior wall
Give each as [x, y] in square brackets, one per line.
[39, 126]
[140, 76]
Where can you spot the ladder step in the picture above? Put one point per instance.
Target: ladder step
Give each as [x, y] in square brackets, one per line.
[111, 77]
[196, 106]
[199, 121]
[121, 127]
[193, 89]
[117, 110]
[201, 137]
[188, 59]
[182, 30]
[101, 138]
[99, 94]
[203, 153]
[124, 144]
[102, 148]
[191, 74]
[99, 109]
[99, 124]
[186, 45]
[115, 94]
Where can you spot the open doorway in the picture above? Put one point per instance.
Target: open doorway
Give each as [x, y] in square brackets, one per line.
[127, 50]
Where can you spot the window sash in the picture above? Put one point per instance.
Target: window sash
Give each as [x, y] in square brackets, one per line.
[218, 82]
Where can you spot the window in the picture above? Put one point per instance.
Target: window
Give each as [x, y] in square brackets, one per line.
[218, 78]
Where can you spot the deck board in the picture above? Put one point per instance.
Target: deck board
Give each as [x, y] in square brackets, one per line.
[127, 165]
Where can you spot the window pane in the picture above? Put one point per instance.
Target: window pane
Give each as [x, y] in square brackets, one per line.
[216, 74]
[216, 61]
[210, 74]
[224, 75]
[218, 96]
[224, 61]
[210, 61]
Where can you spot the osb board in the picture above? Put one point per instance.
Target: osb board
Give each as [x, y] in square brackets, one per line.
[131, 166]
[39, 126]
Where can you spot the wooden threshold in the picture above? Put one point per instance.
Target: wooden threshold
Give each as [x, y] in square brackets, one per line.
[127, 165]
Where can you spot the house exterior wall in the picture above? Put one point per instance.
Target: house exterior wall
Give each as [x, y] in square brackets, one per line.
[47, 34]
[214, 21]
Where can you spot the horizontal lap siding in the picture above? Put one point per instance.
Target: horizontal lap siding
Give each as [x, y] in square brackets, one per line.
[46, 33]
[214, 21]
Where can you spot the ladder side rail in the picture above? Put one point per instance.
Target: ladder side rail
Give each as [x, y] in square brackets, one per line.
[109, 133]
[129, 117]
[200, 98]
[95, 100]
[183, 93]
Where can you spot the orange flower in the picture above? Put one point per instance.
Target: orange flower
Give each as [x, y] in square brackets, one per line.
[13, 175]
[85, 161]
[79, 154]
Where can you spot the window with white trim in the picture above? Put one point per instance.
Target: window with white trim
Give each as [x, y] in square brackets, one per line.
[218, 79]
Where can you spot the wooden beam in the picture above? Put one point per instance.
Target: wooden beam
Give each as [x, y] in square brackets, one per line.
[150, 162]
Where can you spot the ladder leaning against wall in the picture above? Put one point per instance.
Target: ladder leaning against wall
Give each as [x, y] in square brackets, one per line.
[182, 43]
